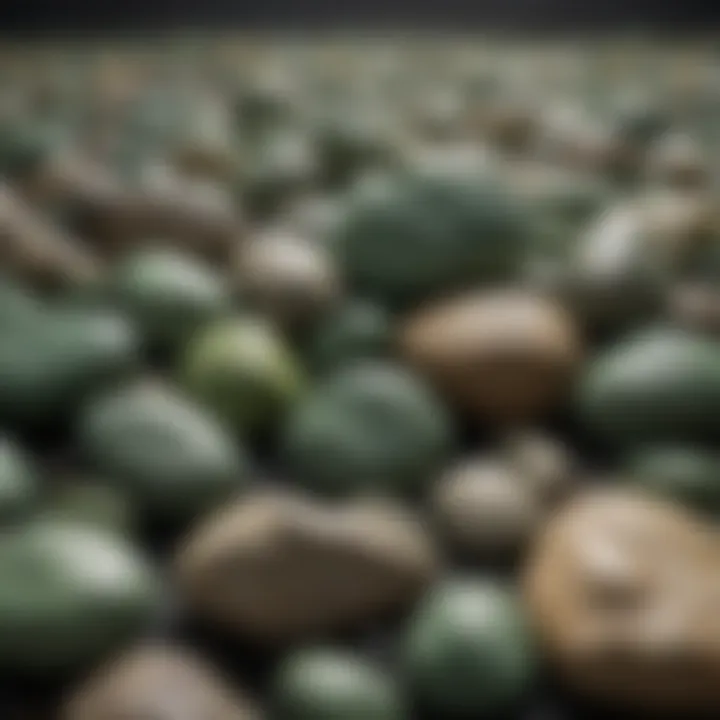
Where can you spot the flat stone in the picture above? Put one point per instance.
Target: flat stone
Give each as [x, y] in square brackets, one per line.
[276, 567]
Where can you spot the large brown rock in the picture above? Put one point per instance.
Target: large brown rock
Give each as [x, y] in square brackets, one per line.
[159, 682]
[623, 592]
[276, 567]
[501, 355]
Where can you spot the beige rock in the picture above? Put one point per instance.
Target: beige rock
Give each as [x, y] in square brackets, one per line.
[36, 251]
[484, 510]
[159, 682]
[182, 212]
[276, 567]
[292, 280]
[696, 306]
[545, 465]
[619, 267]
[676, 160]
[504, 356]
[623, 592]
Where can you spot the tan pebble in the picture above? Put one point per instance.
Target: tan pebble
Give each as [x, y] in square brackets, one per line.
[504, 356]
[277, 566]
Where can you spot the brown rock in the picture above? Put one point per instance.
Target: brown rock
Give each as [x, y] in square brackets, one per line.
[545, 465]
[676, 160]
[505, 356]
[36, 251]
[511, 124]
[182, 214]
[159, 682]
[623, 591]
[276, 567]
[292, 280]
[696, 306]
[572, 140]
[484, 510]
[179, 211]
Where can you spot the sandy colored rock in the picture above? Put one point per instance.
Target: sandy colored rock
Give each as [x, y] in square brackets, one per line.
[568, 137]
[485, 510]
[504, 356]
[676, 160]
[622, 590]
[186, 213]
[292, 280]
[546, 465]
[276, 567]
[696, 306]
[159, 682]
[194, 216]
[619, 272]
[36, 251]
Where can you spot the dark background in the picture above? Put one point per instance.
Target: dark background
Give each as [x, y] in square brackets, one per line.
[118, 15]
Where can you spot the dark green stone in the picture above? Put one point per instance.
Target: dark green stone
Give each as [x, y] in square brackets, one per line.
[369, 427]
[174, 459]
[467, 652]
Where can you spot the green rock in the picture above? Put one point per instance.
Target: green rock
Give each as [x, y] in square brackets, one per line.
[19, 488]
[417, 236]
[168, 295]
[69, 594]
[348, 142]
[174, 460]
[369, 427]
[242, 371]
[467, 651]
[24, 147]
[615, 279]
[17, 304]
[659, 385]
[326, 684]
[358, 329]
[96, 503]
[277, 172]
[49, 366]
[687, 475]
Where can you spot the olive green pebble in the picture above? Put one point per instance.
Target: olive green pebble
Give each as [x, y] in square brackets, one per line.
[659, 385]
[356, 330]
[687, 475]
[69, 594]
[19, 482]
[241, 370]
[328, 684]
[168, 295]
[467, 651]
[174, 459]
[368, 428]
[429, 233]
